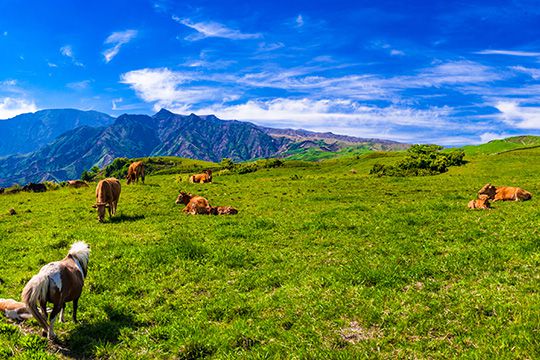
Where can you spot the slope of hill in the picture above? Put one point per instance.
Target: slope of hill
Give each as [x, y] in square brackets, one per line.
[499, 146]
[319, 263]
[28, 132]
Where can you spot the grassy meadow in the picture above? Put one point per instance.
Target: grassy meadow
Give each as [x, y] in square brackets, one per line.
[323, 261]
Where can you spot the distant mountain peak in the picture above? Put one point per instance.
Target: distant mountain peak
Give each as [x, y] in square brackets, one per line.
[163, 112]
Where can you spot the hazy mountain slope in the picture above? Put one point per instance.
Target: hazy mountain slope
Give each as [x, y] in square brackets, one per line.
[28, 132]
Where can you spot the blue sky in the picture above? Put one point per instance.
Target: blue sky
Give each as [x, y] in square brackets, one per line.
[449, 72]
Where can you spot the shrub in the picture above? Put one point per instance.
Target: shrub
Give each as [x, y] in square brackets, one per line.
[421, 160]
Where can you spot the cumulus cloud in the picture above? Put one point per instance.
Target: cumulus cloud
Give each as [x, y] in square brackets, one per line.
[299, 20]
[523, 117]
[214, 29]
[117, 40]
[10, 107]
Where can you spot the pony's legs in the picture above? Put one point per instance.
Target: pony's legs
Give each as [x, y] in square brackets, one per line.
[56, 309]
[62, 313]
[75, 304]
[43, 305]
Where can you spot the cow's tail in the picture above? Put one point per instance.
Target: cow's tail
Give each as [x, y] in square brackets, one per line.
[34, 293]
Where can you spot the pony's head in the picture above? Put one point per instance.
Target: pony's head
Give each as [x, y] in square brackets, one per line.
[81, 251]
[183, 198]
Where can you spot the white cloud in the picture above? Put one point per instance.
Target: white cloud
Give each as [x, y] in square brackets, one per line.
[299, 21]
[10, 107]
[395, 52]
[10, 82]
[117, 40]
[79, 85]
[508, 52]
[51, 65]
[534, 73]
[5, 33]
[523, 117]
[214, 29]
[489, 136]
[67, 51]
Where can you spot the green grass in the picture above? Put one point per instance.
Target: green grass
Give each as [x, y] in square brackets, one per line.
[321, 262]
[504, 145]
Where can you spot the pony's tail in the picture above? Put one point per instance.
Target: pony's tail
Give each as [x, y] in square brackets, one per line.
[34, 293]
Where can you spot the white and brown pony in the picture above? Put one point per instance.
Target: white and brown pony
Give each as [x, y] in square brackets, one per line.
[58, 282]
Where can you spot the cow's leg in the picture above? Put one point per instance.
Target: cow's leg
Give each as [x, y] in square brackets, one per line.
[75, 304]
[56, 309]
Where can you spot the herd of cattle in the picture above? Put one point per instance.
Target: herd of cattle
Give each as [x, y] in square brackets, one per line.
[62, 281]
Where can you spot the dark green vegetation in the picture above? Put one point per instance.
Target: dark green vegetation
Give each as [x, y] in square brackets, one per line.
[421, 160]
[321, 262]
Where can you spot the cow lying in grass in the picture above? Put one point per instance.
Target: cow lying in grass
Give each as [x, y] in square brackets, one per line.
[135, 171]
[76, 184]
[107, 195]
[14, 310]
[481, 203]
[505, 193]
[194, 204]
[197, 205]
[35, 187]
[205, 177]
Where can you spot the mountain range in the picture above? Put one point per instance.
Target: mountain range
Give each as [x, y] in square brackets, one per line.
[60, 144]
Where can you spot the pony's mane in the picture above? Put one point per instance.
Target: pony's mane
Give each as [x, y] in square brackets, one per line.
[81, 251]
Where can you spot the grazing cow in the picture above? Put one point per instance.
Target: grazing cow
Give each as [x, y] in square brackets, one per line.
[205, 177]
[2, 190]
[194, 204]
[35, 187]
[135, 171]
[76, 184]
[504, 193]
[107, 195]
[14, 310]
[222, 210]
[58, 282]
[481, 203]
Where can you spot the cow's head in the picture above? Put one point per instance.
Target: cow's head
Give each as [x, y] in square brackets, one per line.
[100, 210]
[488, 190]
[483, 201]
[183, 198]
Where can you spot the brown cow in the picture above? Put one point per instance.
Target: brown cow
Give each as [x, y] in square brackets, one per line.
[481, 203]
[504, 193]
[205, 177]
[135, 171]
[194, 204]
[76, 184]
[14, 310]
[107, 195]
[222, 210]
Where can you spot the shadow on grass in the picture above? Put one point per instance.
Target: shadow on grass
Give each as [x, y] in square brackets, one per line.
[85, 339]
[123, 218]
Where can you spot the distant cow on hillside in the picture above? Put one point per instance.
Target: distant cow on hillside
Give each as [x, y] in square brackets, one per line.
[35, 187]
[205, 177]
[76, 184]
[194, 204]
[2, 190]
[505, 193]
[135, 171]
[481, 203]
[222, 210]
[107, 195]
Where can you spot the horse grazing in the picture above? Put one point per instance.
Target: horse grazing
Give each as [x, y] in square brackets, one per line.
[135, 171]
[205, 177]
[194, 204]
[58, 282]
[107, 195]
[481, 203]
[14, 310]
[504, 193]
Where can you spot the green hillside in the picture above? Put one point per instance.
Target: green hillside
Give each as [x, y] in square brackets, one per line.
[508, 144]
[322, 261]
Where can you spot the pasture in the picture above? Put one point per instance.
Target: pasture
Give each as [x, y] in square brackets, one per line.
[320, 262]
